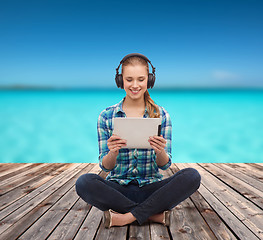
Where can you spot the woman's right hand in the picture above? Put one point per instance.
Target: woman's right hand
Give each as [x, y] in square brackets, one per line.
[115, 143]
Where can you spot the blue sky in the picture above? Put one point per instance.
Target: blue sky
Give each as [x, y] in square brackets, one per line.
[192, 43]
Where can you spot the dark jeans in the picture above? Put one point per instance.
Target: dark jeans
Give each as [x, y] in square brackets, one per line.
[142, 202]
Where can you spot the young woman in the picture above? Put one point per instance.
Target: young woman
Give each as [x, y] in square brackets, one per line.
[134, 188]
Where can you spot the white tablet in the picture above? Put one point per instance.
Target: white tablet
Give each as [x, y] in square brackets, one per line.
[136, 131]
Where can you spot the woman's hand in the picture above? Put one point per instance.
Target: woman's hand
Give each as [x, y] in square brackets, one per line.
[158, 143]
[115, 143]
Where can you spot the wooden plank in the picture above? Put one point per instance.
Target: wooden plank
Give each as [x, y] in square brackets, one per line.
[253, 194]
[139, 232]
[244, 177]
[7, 168]
[158, 231]
[258, 166]
[220, 230]
[90, 226]
[113, 233]
[33, 183]
[242, 219]
[11, 208]
[22, 177]
[187, 223]
[19, 221]
[42, 228]
[218, 227]
[17, 170]
[74, 219]
[39, 203]
[247, 169]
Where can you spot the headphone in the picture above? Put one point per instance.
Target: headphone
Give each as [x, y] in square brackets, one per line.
[151, 76]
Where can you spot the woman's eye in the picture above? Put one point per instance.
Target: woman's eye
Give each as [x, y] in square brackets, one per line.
[128, 80]
[141, 80]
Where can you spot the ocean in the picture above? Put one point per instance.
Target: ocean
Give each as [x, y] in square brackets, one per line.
[61, 126]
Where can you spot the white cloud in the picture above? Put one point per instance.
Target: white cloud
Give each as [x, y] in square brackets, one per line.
[225, 75]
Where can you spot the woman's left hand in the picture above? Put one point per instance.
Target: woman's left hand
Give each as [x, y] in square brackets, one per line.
[158, 143]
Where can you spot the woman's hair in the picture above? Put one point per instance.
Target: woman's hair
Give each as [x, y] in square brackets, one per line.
[152, 108]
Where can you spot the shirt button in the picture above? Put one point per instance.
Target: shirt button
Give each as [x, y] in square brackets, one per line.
[135, 171]
[135, 153]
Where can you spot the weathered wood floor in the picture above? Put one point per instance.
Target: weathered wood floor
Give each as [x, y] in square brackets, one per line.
[38, 201]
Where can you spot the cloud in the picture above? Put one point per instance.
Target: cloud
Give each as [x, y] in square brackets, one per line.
[225, 75]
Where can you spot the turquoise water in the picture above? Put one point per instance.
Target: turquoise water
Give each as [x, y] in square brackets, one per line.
[60, 126]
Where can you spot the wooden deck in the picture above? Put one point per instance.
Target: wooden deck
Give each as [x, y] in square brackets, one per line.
[38, 201]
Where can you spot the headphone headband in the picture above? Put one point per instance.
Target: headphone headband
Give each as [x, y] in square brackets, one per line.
[151, 76]
[135, 55]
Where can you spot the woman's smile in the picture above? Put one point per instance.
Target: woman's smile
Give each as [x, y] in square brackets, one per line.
[135, 91]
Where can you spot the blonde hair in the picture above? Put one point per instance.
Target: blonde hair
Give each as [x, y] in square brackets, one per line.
[152, 108]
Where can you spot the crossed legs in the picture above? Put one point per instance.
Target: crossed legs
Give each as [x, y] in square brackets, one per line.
[138, 203]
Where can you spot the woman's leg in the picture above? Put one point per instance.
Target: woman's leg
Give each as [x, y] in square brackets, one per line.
[167, 193]
[103, 194]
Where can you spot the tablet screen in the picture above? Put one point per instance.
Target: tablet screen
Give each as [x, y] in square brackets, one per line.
[136, 131]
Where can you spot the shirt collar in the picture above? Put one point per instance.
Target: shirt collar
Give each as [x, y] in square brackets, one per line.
[119, 108]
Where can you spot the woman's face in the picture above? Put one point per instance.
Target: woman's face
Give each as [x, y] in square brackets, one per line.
[135, 80]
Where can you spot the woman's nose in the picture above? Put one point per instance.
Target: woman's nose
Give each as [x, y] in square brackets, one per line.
[135, 83]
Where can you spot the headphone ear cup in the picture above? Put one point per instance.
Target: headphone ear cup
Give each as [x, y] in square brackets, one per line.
[151, 80]
[119, 80]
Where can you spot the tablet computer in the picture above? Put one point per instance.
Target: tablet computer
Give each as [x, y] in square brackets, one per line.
[136, 131]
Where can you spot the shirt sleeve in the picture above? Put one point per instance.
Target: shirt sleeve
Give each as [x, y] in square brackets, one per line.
[166, 131]
[103, 136]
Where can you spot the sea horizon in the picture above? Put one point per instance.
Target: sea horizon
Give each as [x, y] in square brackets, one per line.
[104, 88]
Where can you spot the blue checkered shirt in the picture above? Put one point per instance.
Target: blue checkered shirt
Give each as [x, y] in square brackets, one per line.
[132, 164]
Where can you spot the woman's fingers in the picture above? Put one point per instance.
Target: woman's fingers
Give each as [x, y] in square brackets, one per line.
[160, 141]
[115, 143]
[120, 142]
[156, 146]
[114, 137]
[115, 149]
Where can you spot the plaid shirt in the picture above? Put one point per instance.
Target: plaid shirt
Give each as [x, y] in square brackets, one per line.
[132, 164]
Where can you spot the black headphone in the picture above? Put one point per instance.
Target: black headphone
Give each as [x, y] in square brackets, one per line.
[151, 76]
